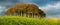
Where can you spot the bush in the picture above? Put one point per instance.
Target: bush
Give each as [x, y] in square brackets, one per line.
[17, 20]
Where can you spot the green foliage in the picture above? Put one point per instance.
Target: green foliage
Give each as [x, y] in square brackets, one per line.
[18, 20]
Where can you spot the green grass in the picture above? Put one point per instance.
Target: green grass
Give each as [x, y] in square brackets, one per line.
[17, 20]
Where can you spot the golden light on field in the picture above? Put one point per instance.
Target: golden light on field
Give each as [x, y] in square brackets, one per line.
[54, 20]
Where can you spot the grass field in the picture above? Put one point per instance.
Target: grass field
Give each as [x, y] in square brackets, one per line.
[18, 20]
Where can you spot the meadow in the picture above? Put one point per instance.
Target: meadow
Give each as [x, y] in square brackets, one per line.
[19, 20]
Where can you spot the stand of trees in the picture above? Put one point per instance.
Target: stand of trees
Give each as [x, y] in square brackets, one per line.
[28, 10]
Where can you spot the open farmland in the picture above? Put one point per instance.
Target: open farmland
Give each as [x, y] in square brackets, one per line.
[18, 20]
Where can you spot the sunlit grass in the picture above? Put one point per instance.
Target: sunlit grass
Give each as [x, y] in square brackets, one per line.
[19, 20]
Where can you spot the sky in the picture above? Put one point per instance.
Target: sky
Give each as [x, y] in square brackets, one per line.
[50, 7]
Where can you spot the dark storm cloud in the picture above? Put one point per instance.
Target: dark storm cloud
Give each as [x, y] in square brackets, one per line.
[9, 2]
[4, 4]
[51, 7]
[42, 2]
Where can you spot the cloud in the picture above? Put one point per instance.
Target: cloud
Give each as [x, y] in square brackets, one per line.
[52, 10]
[2, 10]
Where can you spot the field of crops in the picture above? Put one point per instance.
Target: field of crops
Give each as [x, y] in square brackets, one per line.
[18, 20]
